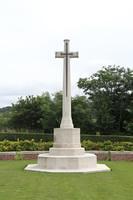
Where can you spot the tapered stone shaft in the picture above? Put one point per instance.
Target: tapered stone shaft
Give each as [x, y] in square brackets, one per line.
[66, 121]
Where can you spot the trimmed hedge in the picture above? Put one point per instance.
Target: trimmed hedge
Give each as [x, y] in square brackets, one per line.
[107, 146]
[24, 145]
[26, 136]
[31, 145]
[102, 138]
[49, 137]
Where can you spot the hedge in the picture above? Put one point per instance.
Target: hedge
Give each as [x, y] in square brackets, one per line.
[24, 145]
[102, 138]
[49, 137]
[31, 145]
[26, 136]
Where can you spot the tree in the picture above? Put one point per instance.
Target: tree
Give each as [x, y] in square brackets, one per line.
[111, 92]
[55, 114]
[81, 114]
[57, 100]
[45, 112]
[129, 120]
[5, 116]
[32, 112]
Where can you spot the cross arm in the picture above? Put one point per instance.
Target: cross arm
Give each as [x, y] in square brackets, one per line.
[59, 54]
[73, 54]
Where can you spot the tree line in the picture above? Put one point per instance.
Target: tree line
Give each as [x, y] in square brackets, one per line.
[106, 107]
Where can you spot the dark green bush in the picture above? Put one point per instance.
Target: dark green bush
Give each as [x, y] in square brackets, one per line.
[102, 138]
[118, 148]
[107, 146]
[128, 146]
[49, 137]
[89, 145]
[26, 136]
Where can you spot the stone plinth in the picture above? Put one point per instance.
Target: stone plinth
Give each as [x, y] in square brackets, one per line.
[67, 138]
[67, 162]
[67, 155]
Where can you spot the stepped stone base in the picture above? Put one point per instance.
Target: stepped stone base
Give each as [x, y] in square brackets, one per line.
[96, 168]
[67, 155]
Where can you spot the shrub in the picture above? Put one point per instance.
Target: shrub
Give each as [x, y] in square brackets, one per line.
[31, 145]
[128, 146]
[107, 146]
[26, 145]
[118, 148]
[87, 144]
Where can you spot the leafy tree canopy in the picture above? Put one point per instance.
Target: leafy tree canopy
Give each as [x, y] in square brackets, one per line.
[111, 93]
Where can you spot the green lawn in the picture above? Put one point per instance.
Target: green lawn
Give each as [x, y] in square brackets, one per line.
[17, 184]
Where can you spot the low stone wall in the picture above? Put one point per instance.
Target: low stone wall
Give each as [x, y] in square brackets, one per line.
[114, 155]
[26, 155]
[101, 155]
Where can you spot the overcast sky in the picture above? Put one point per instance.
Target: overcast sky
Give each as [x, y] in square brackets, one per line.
[32, 30]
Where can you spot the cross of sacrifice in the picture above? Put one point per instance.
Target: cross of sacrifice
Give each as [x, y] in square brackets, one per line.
[66, 55]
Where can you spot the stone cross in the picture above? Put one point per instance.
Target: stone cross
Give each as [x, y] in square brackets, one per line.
[67, 155]
[66, 55]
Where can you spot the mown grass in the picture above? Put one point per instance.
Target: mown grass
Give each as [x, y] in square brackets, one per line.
[17, 184]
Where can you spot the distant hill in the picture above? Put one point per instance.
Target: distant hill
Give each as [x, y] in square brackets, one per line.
[5, 109]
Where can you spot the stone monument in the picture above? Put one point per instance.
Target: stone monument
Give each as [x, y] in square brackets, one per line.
[67, 155]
